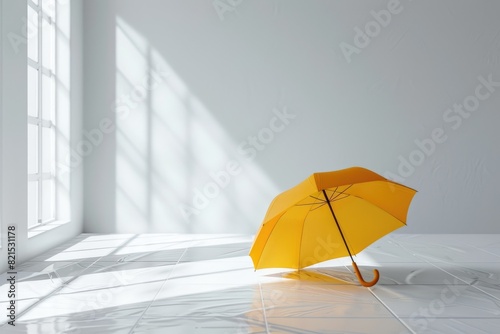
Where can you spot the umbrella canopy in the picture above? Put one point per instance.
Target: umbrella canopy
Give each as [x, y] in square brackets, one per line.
[330, 215]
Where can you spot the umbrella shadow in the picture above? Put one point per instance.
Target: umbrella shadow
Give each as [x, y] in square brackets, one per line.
[319, 275]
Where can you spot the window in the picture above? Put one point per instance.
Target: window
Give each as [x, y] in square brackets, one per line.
[42, 113]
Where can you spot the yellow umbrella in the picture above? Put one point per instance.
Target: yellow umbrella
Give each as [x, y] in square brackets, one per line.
[330, 215]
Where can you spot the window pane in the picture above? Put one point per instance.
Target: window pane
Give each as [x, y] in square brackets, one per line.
[32, 203]
[32, 91]
[32, 149]
[48, 45]
[32, 34]
[49, 7]
[48, 98]
[35, 2]
[48, 150]
[48, 200]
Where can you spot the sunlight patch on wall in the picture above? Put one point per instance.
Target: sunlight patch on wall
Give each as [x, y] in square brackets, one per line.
[169, 146]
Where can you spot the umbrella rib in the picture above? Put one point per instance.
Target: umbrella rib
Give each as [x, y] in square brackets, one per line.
[319, 199]
[338, 199]
[318, 207]
[308, 204]
[311, 205]
[269, 235]
[332, 198]
[333, 193]
[340, 193]
[300, 244]
[301, 236]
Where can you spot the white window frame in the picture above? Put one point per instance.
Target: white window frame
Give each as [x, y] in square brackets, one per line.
[39, 121]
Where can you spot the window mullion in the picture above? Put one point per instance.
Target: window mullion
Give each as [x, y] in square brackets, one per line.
[46, 176]
[40, 93]
[33, 64]
[44, 70]
[45, 120]
[46, 124]
[33, 5]
[33, 120]
[54, 72]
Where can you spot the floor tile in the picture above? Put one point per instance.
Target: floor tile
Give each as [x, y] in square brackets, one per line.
[385, 253]
[490, 289]
[96, 303]
[167, 255]
[432, 325]
[472, 272]
[201, 253]
[68, 325]
[223, 271]
[336, 325]
[233, 301]
[451, 254]
[119, 274]
[303, 299]
[179, 283]
[405, 273]
[201, 325]
[438, 301]
[20, 306]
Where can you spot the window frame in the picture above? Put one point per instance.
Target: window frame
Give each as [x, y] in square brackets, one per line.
[45, 23]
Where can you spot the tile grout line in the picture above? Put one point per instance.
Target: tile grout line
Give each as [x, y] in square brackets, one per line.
[412, 252]
[390, 311]
[485, 251]
[434, 264]
[65, 284]
[52, 293]
[154, 298]
[263, 308]
[420, 258]
[88, 269]
[492, 296]
[460, 279]
[444, 270]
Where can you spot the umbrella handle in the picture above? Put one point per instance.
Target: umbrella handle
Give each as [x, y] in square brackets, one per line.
[360, 278]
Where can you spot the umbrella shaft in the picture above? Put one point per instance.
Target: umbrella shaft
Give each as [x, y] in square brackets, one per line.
[336, 222]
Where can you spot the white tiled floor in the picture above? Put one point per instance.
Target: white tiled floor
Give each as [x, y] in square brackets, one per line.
[206, 284]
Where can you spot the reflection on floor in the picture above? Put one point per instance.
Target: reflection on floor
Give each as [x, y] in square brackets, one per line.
[206, 284]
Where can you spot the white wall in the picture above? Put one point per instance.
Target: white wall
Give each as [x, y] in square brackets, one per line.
[99, 90]
[215, 78]
[14, 170]
[1, 139]
[76, 102]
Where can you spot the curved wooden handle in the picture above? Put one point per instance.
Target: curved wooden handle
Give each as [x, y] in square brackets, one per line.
[360, 278]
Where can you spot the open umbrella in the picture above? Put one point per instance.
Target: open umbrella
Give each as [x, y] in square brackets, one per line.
[330, 215]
